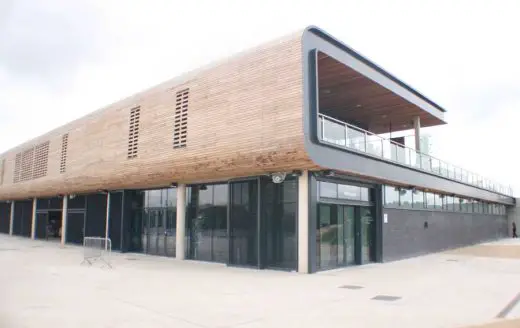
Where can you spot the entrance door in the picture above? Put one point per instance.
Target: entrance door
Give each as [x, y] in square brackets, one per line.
[243, 223]
[345, 235]
[346, 218]
[158, 232]
[367, 231]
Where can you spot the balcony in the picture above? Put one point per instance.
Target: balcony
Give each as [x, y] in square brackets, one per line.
[347, 136]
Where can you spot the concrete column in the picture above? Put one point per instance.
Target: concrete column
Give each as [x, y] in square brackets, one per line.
[33, 221]
[64, 217]
[417, 128]
[11, 219]
[107, 222]
[181, 222]
[303, 222]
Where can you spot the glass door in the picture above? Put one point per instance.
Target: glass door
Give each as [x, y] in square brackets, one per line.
[243, 223]
[345, 235]
[347, 215]
[170, 231]
[367, 232]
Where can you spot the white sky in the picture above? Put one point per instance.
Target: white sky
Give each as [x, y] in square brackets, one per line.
[60, 59]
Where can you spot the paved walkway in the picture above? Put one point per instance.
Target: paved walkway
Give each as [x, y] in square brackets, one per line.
[42, 285]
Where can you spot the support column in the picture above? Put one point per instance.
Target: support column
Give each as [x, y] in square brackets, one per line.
[303, 222]
[11, 219]
[64, 217]
[107, 222]
[33, 221]
[181, 222]
[417, 128]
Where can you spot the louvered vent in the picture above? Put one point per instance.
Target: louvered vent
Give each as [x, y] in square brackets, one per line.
[133, 132]
[41, 159]
[64, 147]
[17, 168]
[180, 126]
[31, 163]
[27, 165]
[2, 170]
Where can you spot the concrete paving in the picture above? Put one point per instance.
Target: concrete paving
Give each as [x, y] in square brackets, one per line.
[43, 285]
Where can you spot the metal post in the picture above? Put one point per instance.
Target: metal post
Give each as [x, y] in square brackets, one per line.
[322, 128]
[64, 219]
[417, 128]
[346, 136]
[33, 221]
[107, 223]
[11, 219]
[181, 222]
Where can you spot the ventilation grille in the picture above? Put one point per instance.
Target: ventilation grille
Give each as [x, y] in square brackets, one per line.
[41, 158]
[2, 169]
[31, 163]
[180, 126]
[133, 132]
[17, 168]
[64, 147]
[27, 165]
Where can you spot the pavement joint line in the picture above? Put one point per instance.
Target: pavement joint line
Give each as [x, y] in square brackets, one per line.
[509, 307]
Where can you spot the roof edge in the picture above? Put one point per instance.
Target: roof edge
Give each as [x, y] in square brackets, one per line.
[318, 31]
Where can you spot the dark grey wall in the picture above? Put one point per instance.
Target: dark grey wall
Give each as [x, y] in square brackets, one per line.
[96, 215]
[5, 217]
[405, 235]
[22, 218]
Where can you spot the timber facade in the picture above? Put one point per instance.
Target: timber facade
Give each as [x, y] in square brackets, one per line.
[281, 156]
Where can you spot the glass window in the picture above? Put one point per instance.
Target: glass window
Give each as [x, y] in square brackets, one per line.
[391, 196]
[205, 196]
[171, 197]
[448, 203]
[220, 194]
[365, 194]
[477, 207]
[430, 200]
[207, 223]
[438, 201]
[349, 192]
[456, 204]
[405, 198]
[328, 190]
[153, 198]
[418, 199]
[463, 205]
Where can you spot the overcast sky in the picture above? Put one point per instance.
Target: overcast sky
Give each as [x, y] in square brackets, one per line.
[60, 59]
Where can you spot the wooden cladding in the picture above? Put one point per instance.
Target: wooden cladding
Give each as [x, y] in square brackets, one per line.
[180, 125]
[64, 148]
[31, 163]
[2, 170]
[133, 132]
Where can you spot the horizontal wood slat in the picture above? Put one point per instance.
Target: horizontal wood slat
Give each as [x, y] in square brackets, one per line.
[240, 117]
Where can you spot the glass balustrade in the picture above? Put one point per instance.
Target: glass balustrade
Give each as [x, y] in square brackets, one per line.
[345, 135]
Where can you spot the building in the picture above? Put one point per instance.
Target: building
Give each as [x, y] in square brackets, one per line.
[270, 159]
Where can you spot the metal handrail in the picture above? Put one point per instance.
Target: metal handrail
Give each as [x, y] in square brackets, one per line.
[442, 168]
